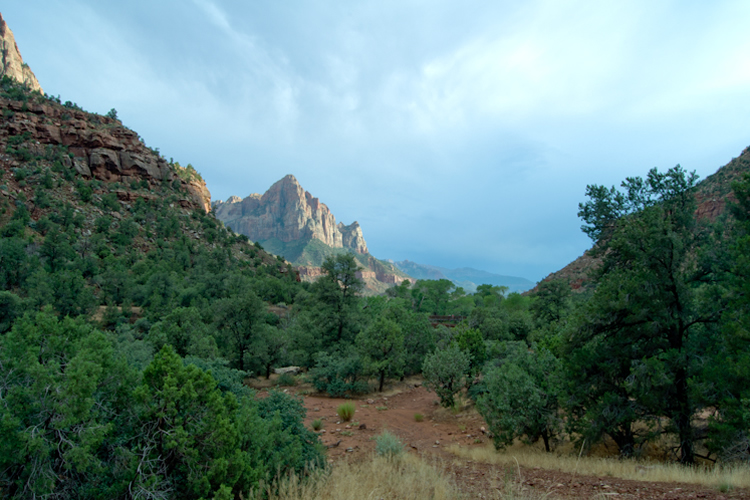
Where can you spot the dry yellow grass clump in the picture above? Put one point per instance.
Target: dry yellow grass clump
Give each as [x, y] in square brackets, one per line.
[406, 477]
[718, 476]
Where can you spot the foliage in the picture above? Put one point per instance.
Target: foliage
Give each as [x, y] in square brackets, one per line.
[286, 380]
[336, 296]
[633, 353]
[388, 445]
[345, 411]
[381, 347]
[520, 398]
[338, 375]
[445, 372]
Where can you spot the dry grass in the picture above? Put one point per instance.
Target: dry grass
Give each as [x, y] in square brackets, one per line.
[405, 477]
[717, 476]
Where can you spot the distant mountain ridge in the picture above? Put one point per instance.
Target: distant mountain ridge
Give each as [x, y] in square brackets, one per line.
[465, 277]
[289, 221]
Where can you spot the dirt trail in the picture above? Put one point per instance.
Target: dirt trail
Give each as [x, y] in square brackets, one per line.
[395, 411]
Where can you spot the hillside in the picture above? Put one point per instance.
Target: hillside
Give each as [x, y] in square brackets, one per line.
[288, 221]
[712, 195]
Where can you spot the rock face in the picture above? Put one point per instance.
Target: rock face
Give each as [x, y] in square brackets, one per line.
[99, 147]
[12, 62]
[290, 222]
[288, 213]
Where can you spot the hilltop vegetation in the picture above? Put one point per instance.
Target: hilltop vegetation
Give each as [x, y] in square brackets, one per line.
[130, 319]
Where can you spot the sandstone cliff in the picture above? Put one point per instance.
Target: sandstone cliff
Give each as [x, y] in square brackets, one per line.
[97, 146]
[288, 213]
[289, 221]
[12, 62]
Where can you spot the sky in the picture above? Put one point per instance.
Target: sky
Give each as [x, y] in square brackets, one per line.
[458, 134]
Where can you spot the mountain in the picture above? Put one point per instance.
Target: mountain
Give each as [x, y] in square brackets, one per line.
[12, 62]
[711, 194]
[465, 277]
[288, 221]
[288, 214]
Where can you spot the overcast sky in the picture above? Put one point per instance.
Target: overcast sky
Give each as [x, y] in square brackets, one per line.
[456, 133]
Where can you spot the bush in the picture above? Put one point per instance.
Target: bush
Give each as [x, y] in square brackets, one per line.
[287, 380]
[317, 424]
[388, 445]
[418, 417]
[338, 376]
[445, 372]
[345, 411]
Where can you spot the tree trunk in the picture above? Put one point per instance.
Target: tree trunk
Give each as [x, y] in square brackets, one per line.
[682, 419]
[382, 379]
[545, 438]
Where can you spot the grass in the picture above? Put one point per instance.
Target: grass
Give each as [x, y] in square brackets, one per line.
[388, 445]
[346, 411]
[418, 417]
[723, 477]
[410, 476]
[317, 424]
[286, 380]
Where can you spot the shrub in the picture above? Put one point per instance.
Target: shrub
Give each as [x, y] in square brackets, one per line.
[418, 417]
[388, 445]
[317, 424]
[337, 376]
[445, 372]
[345, 411]
[287, 380]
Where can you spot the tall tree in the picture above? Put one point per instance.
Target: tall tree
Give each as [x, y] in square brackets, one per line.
[729, 374]
[633, 353]
[337, 293]
[381, 346]
[521, 397]
[239, 318]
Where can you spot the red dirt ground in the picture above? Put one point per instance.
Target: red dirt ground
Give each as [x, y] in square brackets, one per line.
[395, 411]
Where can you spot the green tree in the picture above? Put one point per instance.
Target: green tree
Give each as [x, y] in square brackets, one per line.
[432, 296]
[728, 372]
[381, 346]
[60, 386]
[520, 398]
[445, 372]
[238, 319]
[551, 301]
[187, 333]
[635, 349]
[337, 293]
[470, 341]
[185, 432]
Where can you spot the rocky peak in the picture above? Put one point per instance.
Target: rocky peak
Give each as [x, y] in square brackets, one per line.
[288, 213]
[12, 62]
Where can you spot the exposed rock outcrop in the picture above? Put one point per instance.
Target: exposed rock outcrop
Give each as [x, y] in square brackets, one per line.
[287, 212]
[99, 147]
[290, 222]
[12, 62]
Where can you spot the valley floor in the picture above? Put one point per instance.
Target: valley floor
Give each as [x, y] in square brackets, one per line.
[457, 445]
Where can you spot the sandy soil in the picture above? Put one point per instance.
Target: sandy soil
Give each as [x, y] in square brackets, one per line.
[395, 411]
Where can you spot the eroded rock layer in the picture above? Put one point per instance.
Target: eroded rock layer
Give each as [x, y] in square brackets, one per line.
[288, 213]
